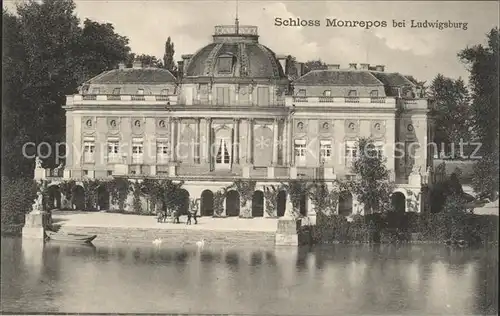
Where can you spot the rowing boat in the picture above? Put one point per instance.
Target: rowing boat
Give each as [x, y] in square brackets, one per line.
[69, 237]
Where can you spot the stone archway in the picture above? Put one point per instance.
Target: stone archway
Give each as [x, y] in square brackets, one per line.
[258, 204]
[103, 198]
[207, 203]
[53, 197]
[232, 203]
[183, 200]
[281, 203]
[78, 198]
[398, 201]
[345, 204]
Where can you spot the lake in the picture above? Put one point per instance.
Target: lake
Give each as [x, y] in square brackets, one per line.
[326, 280]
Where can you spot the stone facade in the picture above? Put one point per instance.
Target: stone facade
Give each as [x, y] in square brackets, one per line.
[225, 117]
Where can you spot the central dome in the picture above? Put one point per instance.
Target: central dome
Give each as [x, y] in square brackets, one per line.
[236, 53]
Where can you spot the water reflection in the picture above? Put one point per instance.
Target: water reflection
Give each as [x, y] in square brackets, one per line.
[330, 280]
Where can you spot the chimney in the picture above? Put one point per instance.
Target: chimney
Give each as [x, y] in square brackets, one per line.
[364, 66]
[180, 69]
[121, 66]
[333, 66]
[380, 68]
[353, 66]
[300, 69]
[282, 60]
[137, 64]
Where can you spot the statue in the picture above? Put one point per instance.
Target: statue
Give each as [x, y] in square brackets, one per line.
[38, 163]
[57, 169]
[37, 207]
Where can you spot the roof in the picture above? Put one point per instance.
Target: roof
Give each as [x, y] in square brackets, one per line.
[258, 61]
[338, 77]
[134, 75]
[393, 79]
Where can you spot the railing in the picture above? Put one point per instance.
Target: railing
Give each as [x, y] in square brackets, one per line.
[377, 99]
[412, 104]
[54, 173]
[324, 101]
[119, 99]
[233, 29]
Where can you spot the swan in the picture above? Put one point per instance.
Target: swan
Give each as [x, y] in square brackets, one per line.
[157, 241]
[200, 243]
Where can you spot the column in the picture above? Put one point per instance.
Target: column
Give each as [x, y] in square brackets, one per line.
[284, 143]
[275, 143]
[208, 129]
[236, 145]
[173, 122]
[249, 140]
[289, 147]
[197, 141]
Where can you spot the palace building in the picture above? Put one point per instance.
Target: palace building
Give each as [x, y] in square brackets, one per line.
[233, 112]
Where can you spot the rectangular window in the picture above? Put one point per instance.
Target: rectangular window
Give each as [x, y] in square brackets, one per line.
[85, 172]
[162, 152]
[113, 151]
[351, 152]
[352, 93]
[374, 93]
[222, 95]
[203, 93]
[96, 90]
[116, 91]
[137, 151]
[140, 91]
[164, 92]
[301, 93]
[263, 96]
[225, 64]
[327, 93]
[88, 151]
[110, 173]
[300, 151]
[325, 150]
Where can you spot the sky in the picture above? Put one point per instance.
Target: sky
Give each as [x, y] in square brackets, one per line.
[421, 52]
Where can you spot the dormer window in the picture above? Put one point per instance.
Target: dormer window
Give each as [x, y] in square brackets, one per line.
[352, 93]
[140, 91]
[327, 93]
[225, 64]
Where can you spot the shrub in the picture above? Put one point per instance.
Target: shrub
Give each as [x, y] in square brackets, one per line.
[403, 227]
[18, 196]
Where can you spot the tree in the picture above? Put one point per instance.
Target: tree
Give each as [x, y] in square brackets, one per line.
[451, 112]
[291, 67]
[371, 186]
[314, 65]
[483, 62]
[146, 60]
[168, 57]
[47, 55]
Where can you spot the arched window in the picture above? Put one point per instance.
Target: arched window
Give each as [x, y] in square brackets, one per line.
[225, 64]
